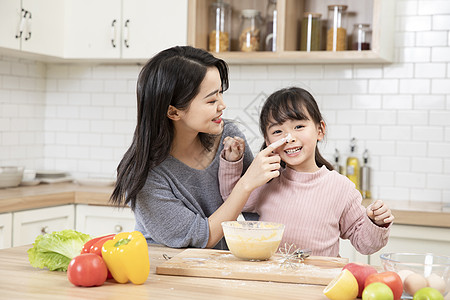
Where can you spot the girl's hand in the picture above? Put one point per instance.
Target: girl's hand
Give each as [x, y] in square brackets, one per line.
[380, 213]
[264, 167]
[233, 148]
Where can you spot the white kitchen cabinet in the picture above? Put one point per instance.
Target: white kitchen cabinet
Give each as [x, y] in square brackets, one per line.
[100, 220]
[134, 29]
[28, 224]
[417, 239]
[10, 17]
[5, 230]
[35, 26]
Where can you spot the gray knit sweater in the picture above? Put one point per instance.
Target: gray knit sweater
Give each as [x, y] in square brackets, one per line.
[174, 205]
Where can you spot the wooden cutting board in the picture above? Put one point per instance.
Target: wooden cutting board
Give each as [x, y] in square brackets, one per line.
[222, 264]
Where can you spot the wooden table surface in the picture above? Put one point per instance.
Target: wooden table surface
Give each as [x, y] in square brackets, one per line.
[19, 280]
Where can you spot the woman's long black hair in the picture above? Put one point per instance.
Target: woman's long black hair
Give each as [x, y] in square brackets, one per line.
[172, 77]
[290, 104]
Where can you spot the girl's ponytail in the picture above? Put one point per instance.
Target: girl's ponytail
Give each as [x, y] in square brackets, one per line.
[321, 161]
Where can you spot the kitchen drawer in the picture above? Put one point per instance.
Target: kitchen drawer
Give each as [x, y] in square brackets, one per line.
[28, 224]
[5, 230]
[419, 239]
[100, 220]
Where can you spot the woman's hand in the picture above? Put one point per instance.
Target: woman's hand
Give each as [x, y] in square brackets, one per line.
[380, 213]
[264, 167]
[233, 148]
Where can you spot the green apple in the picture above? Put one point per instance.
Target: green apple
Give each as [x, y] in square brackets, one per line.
[428, 293]
[377, 291]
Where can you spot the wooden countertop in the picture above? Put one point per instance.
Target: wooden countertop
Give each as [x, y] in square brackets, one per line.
[43, 195]
[19, 280]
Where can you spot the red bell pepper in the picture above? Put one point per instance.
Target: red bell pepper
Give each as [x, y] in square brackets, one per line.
[87, 246]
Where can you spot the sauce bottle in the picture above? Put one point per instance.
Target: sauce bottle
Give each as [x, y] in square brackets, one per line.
[337, 166]
[353, 167]
[365, 177]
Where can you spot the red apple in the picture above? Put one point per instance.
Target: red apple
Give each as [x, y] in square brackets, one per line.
[391, 279]
[360, 271]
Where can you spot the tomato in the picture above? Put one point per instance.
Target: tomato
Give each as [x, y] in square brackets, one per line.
[87, 246]
[377, 291]
[391, 279]
[87, 270]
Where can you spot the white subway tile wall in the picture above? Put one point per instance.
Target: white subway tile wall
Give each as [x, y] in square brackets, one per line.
[81, 117]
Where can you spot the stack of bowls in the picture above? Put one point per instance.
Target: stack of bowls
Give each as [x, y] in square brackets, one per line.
[10, 176]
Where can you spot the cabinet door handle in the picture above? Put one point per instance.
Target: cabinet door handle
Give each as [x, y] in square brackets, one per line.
[28, 26]
[113, 33]
[126, 34]
[118, 228]
[44, 230]
[21, 24]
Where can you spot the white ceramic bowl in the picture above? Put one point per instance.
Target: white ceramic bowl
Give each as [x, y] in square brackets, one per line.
[10, 176]
[252, 240]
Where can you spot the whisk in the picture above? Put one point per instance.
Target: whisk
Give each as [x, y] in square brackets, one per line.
[291, 258]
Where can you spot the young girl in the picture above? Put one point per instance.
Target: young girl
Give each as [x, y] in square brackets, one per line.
[316, 204]
[169, 174]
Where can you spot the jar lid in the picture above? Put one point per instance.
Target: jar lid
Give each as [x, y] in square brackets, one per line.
[361, 25]
[248, 13]
[220, 4]
[339, 6]
[313, 14]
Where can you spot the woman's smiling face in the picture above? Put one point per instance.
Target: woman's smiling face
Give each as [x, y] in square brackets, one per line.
[299, 151]
[205, 111]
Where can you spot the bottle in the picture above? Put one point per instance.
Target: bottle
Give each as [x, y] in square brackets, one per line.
[337, 166]
[361, 37]
[271, 26]
[353, 168]
[250, 30]
[311, 32]
[219, 27]
[365, 177]
[336, 33]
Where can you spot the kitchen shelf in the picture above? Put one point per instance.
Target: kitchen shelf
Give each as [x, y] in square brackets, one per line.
[290, 13]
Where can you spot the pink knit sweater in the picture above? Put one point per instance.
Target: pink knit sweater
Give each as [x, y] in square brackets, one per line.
[316, 208]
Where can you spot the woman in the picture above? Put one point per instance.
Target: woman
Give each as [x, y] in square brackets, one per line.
[169, 174]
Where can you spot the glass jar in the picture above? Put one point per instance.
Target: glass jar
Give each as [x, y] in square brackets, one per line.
[336, 32]
[311, 32]
[219, 27]
[271, 26]
[361, 37]
[250, 30]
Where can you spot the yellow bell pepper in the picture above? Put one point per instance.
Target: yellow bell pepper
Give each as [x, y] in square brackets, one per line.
[126, 257]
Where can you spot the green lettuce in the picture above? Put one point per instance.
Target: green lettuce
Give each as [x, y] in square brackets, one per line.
[55, 250]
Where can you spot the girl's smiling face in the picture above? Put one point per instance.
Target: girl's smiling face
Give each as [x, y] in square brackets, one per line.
[299, 152]
[204, 114]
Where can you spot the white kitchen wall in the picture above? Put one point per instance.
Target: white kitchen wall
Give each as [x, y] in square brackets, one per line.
[81, 117]
[22, 106]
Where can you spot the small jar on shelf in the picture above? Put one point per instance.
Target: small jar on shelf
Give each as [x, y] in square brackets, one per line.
[250, 35]
[271, 26]
[311, 32]
[337, 32]
[361, 37]
[219, 27]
